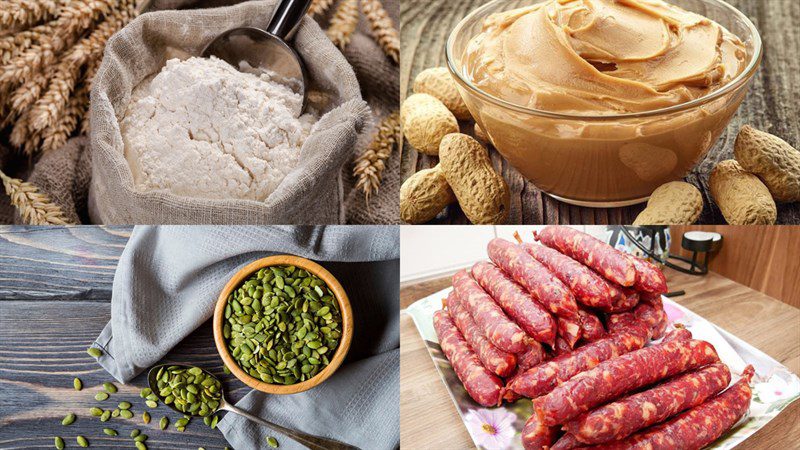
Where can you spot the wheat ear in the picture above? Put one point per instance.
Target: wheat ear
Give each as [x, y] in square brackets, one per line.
[34, 207]
[343, 23]
[369, 166]
[382, 27]
[19, 14]
[319, 7]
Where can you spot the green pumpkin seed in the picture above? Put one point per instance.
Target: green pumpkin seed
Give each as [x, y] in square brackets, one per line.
[135, 432]
[124, 405]
[94, 352]
[126, 414]
[109, 431]
[59, 443]
[100, 396]
[141, 446]
[163, 423]
[145, 392]
[272, 442]
[110, 388]
[95, 411]
[151, 404]
[68, 420]
[105, 416]
[82, 441]
[77, 383]
[115, 412]
[146, 417]
[140, 438]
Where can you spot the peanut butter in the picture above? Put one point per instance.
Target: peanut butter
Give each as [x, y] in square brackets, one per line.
[600, 57]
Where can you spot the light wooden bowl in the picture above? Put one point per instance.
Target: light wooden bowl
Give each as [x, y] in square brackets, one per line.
[344, 308]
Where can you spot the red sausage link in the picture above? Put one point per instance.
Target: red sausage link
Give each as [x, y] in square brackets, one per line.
[677, 334]
[536, 436]
[618, 376]
[651, 310]
[567, 442]
[561, 347]
[517, 303]
[482, 385]
[534, 277]
[501, 331]
[649, 277]
[626, 301]
[569, 330]
[698, 427]
[623, 417]
[533, 356]
[591, 326]
[603, 258]
[544, 378]
[496, 360]
[588, 287]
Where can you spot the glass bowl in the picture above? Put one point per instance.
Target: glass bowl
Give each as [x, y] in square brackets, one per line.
[605, 160]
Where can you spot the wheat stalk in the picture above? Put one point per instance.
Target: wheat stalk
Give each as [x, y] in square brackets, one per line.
[382, 27]
[343, 23]
[16, 43]
[319, 7]
[34, 207]
[55, 136]
[369, 166]
[25, 13]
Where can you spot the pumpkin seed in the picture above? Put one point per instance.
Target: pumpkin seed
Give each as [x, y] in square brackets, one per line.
[82, 441]
[68, 420]
[110, 432]
[78, 384]
[141, 446]
[140, 438]
[100, 396]
[59, 443]
[94, 352]
[115, 412]
[151, 404]
[135, 432]
[95, 411]
[126, 414]
[124, 405]
[272, 442]
[110, 388]
[163, 423]
[105, 416]
[146, 417]
[145, 392]
[279, 324]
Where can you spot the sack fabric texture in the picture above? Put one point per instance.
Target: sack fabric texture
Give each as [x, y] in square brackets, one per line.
[320, 190]
[166, 285]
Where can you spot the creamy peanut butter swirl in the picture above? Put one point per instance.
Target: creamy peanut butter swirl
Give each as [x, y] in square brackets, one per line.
[602, 56]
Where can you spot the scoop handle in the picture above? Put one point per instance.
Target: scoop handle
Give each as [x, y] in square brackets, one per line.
[310, 441]
[287, 17]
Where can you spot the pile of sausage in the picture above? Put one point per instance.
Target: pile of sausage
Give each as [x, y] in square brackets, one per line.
[567, 324]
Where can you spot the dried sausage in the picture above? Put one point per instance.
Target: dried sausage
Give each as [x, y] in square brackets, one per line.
[603, 258]
[501, 331]
[569, 330]
[533, 356]
[536, 436]
[591, 326]
[544, 378]
[533, 276]
[588, 287]
[697, 427]
[650, 311]
[678, 333]
[618, 376]
[649, 278]
[623, 417]
[482, 385]
[561, 347]
[498, 361]
[517, 303]
[566, 442]
[626, 301]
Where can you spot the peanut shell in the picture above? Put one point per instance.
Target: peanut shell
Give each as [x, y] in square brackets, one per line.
[773, 160]
[742, 198]
[425, 122]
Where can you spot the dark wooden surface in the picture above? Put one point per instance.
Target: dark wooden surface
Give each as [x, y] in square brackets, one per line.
[55, 292]
[773, 105]
[428, 418]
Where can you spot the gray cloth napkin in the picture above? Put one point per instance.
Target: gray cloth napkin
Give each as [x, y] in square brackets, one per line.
[167, 282]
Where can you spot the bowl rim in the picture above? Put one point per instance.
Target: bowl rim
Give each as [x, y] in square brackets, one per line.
[344, 307]
[743, 78]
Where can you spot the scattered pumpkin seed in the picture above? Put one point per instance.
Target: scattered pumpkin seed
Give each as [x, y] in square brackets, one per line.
[110, 388]
[95, 411]
[163, 423]
[146, 417]
[145, 392]
[59, 443]
[140, 438]
[94, 352]
[115, 413]
[110, 431]
[105, 416]
[124, 405]
[141, 446]
[77, 383]
[100, 396]
[68, 420]
[151, 404]
[126, 414]
[135, 432]
[272, 442]
[82, 441]
[214, 422]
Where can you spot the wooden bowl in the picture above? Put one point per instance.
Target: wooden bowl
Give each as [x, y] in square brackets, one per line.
[344, 308]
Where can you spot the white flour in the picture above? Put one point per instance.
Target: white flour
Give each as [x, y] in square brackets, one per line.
[201, 128]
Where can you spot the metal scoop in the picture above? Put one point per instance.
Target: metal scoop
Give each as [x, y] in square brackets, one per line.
[267, 50]
[312, 442]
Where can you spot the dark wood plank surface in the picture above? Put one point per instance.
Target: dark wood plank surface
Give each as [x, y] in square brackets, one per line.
[55, 293]
[428, 418]
[773, 105]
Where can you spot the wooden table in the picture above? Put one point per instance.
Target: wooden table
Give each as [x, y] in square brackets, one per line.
[55, 298]
[772, 105]
[428, 418]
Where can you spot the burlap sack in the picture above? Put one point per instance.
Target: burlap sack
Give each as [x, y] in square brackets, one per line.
[312, 193]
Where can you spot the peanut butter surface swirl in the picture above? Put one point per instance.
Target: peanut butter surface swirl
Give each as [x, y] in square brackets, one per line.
[602, 56]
